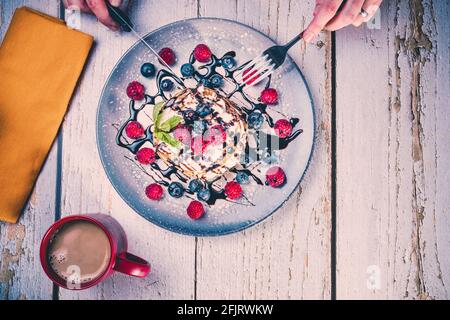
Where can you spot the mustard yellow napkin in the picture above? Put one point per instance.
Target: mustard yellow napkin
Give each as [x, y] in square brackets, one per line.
[40, 62]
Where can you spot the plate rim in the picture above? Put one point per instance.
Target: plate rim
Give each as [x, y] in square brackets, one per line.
[214, 233]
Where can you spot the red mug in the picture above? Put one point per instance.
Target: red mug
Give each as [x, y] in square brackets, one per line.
[120, 259]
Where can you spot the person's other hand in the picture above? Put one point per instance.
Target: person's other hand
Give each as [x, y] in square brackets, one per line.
[329, 15]
[96, 7]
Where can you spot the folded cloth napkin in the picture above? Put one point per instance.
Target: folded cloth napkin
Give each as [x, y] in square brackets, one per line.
[40, 62]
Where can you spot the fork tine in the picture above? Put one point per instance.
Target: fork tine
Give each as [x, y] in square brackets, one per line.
[261, 66]
[256, 70]
[251, 66]
[239, 72]
[256, 74]
[261, 76]
[248, 65]
[265, 59]
[264, 66]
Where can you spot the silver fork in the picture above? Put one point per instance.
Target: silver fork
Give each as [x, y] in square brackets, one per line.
[256, 70]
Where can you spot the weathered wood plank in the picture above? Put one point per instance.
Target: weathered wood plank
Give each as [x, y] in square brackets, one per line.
[393, 212]
[393, 154]
[287, 256]
[21, 276]
[86, 187]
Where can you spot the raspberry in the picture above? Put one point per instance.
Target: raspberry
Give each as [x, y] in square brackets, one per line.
[215, 135]
[283, 128]
[269, 96]
[154, 191]
[195, 210]
[202, 53]
[145, 156]
[182, 134]
[198, 145]
[275, 177]
[233, 190]
[134, 130]
[168, 56]
[135, 90]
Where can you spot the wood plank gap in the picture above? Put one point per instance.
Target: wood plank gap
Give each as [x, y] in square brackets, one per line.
[195, 268]
[199, 15]
[58, 189]
[333, 167]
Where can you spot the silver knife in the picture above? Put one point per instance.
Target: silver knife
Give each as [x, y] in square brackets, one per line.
[122, 19]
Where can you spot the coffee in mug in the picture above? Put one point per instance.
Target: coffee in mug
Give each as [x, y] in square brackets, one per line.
[80, 251]
[79, 247]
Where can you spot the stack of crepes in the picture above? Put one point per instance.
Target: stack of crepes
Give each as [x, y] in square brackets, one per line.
[216, 158]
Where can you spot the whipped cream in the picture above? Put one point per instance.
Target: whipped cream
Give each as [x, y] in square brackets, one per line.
[216, 158]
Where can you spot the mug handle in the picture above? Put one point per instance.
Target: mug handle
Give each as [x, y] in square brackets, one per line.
[132, 265]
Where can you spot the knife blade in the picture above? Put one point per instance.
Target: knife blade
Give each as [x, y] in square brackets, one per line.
[124, 21]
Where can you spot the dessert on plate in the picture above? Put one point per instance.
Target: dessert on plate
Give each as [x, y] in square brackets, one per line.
[212, 133]
[205, 142]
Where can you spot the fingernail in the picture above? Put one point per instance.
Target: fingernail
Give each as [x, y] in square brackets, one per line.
[372, 9]
[115, 3]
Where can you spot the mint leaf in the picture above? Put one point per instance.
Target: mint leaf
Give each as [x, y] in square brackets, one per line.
[157, 134]
[169, 124]
[167, 138]
[156, 113]
[161, 131]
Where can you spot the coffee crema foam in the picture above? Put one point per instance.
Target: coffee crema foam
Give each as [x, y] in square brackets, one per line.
[79, 252]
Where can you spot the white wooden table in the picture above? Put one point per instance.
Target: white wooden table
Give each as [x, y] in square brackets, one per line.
[371, 219]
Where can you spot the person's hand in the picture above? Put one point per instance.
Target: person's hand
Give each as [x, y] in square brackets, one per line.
[96, 7]
[329, 15]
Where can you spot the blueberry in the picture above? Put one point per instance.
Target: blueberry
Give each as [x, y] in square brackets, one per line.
[189, 116]
[148, 70]
[216, 80]
[204, 195]
[195, 185]
[230, 149]
[167, 85]
[255, 120]
[187, 70]
[199, 126]
[228, 62]
[206, 83]
[242, 178]
[176, 190]
[204, 110]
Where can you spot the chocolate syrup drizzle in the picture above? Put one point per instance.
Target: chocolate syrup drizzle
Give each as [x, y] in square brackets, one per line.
[265, 142]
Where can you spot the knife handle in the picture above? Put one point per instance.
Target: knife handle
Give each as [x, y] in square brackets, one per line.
[120, 17]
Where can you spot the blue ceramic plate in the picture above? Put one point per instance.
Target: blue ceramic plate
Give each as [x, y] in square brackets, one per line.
[130, 182]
